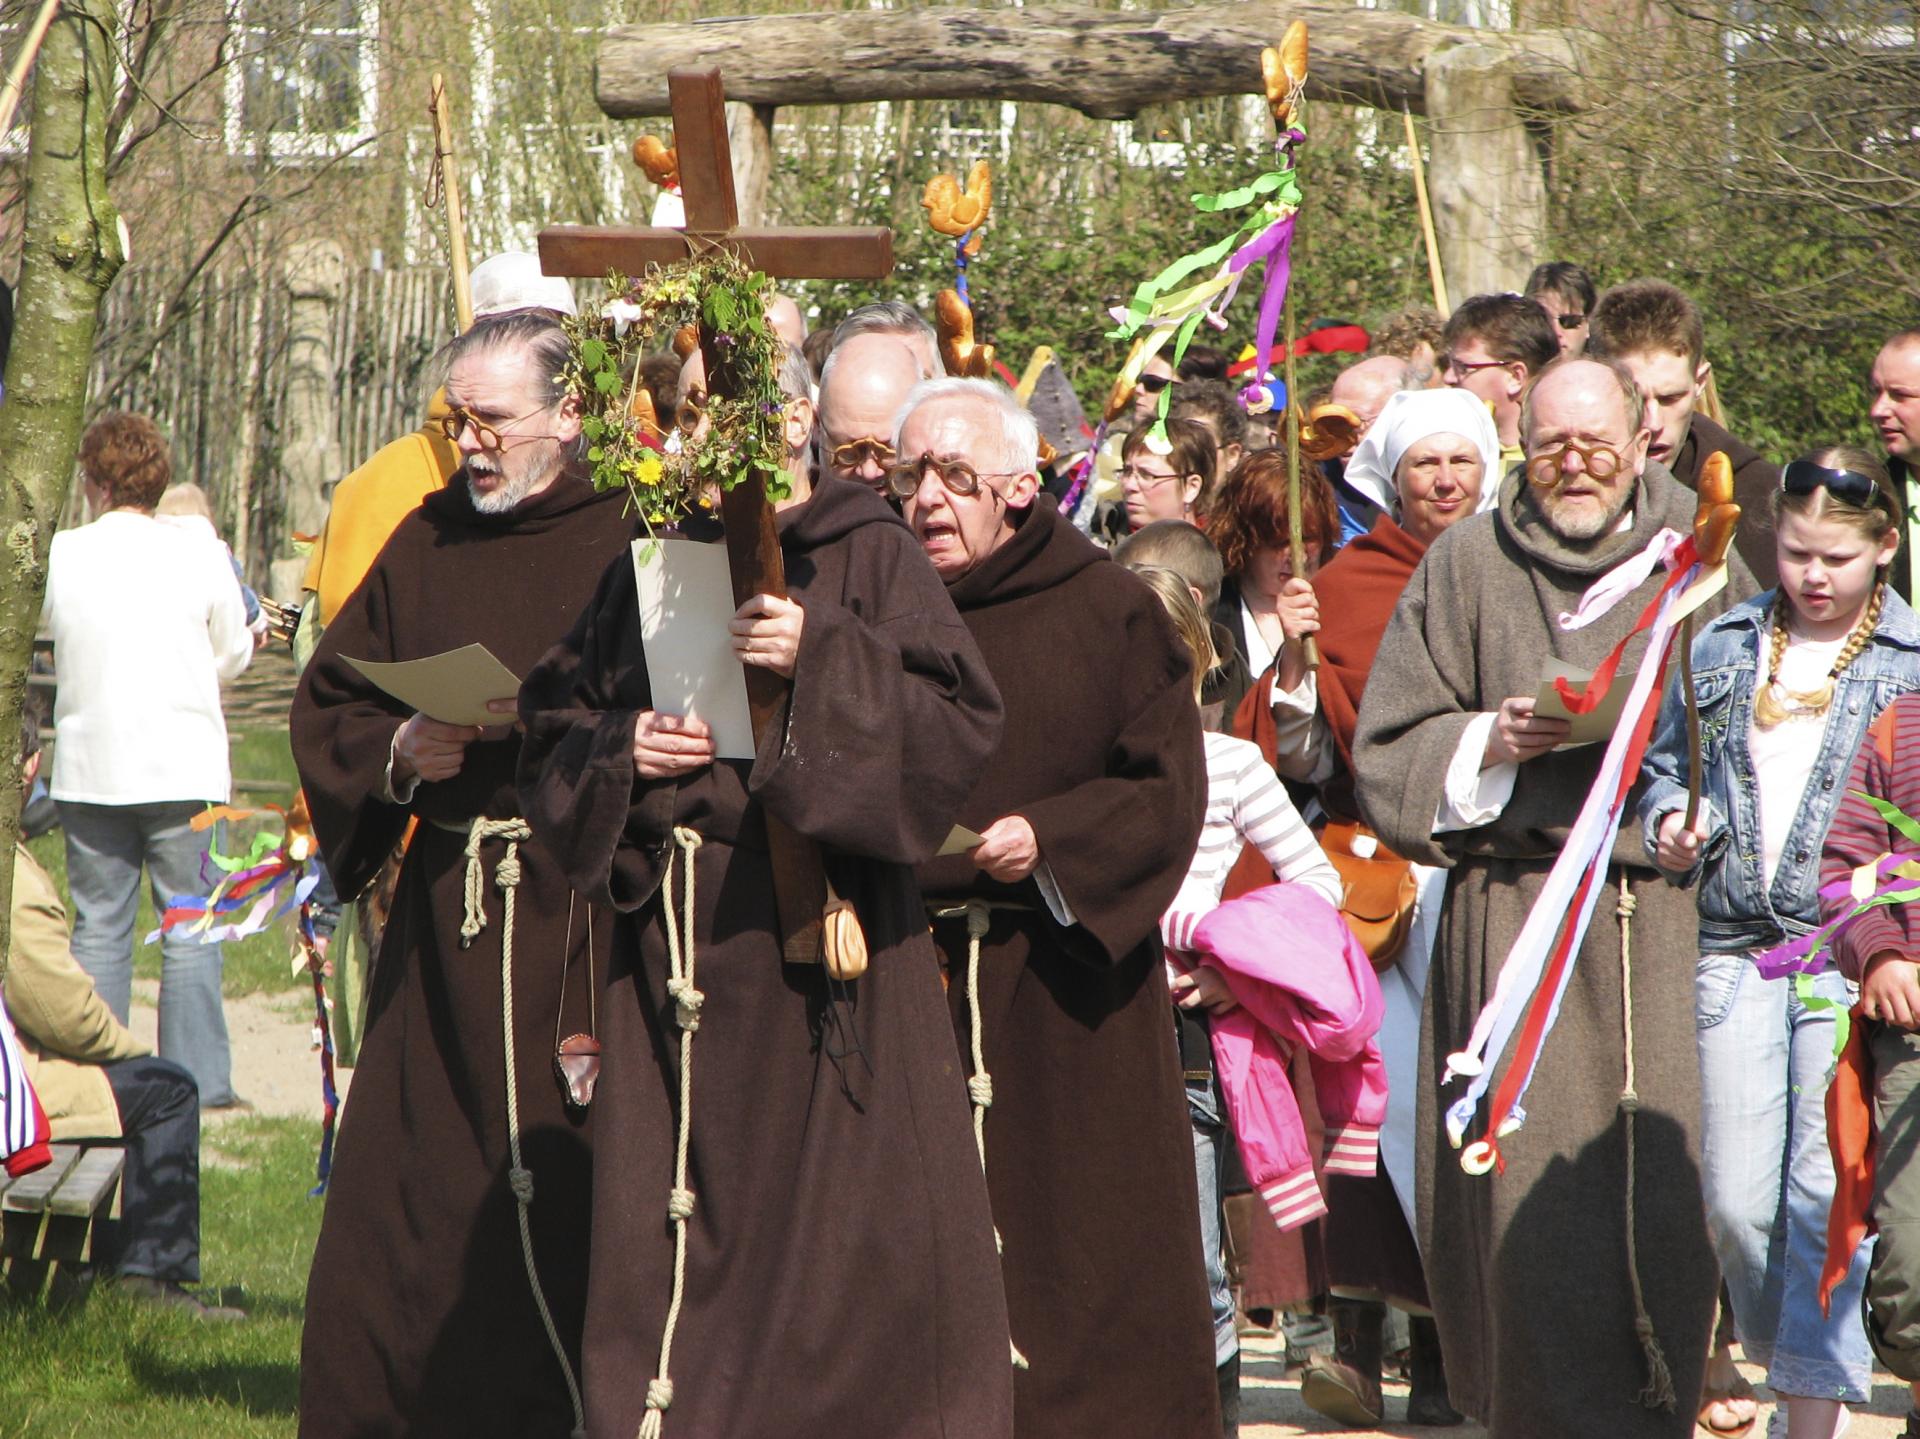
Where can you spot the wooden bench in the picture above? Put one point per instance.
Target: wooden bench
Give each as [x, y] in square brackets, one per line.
[47, 1217]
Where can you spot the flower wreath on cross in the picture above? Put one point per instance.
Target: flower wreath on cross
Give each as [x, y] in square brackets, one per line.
[716, 290]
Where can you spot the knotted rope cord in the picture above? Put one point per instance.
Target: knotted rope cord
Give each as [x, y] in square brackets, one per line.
[1658, 1393]
[979, 913]
[506, 877]
[686, 1013]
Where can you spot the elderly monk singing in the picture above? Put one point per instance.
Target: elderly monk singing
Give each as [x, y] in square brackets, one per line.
[1529, 1269]
[1089, 812]
[839, 1274]
[421, 1319]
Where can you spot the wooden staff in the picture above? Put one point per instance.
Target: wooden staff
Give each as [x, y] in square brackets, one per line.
[1716, 517]
[16, 81]
[1296, 542]
[447, 165]
[1426, 218]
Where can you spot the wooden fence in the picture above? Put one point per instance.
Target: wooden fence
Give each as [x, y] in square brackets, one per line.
[214, 366]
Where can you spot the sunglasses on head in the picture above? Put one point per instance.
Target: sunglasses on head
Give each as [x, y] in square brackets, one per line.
[1803, 477]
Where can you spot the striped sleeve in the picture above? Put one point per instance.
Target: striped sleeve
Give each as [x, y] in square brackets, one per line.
[1266, 816]
[23, 1124]
[1859, 835]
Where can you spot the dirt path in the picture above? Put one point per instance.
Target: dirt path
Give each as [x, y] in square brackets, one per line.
[275, 1066]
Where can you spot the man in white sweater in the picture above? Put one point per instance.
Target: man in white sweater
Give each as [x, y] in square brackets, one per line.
[146, 622]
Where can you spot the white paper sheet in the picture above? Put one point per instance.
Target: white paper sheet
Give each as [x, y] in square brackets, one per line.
[452, 687]
[686, 599]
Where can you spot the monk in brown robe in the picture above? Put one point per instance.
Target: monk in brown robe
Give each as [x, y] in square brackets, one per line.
[420, 1317]
[839, 1274]
[1533, 1283]
[1090, 810]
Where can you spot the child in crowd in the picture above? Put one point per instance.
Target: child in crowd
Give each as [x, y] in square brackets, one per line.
[1786, 686]
[1245, 806]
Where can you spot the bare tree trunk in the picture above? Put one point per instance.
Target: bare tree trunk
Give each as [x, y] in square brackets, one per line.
[72, 252]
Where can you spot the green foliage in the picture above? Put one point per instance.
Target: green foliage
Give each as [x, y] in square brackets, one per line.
[744, 430]
[114, 1369]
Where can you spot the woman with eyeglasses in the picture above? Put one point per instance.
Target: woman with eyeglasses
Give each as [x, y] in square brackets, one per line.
[1785, 686]
[1170, 486]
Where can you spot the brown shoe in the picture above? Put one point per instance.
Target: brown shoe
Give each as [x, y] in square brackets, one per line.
[1346, 1386]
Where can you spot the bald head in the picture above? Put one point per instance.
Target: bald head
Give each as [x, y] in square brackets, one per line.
[1582, 423]
[1365, 388]
[784, 315]
[861, 390]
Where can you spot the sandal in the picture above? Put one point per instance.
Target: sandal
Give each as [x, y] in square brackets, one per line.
[1738, 1392]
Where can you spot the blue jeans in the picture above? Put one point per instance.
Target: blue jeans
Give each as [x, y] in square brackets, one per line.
[1765, 1060]
[1203, 1109]
[107, 846]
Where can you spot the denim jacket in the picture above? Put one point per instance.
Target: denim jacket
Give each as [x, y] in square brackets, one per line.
[1738, 911]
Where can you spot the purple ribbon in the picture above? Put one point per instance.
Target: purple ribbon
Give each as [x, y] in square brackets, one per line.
[1279, 271]
[1805, 954]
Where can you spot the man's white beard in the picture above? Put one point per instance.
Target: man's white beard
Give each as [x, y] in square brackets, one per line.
[515, 483]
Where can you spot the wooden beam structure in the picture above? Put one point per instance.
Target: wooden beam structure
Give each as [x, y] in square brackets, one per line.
[1108, 64]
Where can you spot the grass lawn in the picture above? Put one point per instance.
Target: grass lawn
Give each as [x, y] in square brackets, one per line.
[251, 965]
[111, 1367]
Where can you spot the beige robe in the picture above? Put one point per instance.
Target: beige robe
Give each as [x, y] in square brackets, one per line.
[1529, 1269]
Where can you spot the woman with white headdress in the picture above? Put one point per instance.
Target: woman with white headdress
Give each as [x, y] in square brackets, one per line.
[1430, 460]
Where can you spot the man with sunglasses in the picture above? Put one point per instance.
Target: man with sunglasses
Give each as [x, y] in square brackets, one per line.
[1565, 292]
[865, 379]
[1493, 347]
[1531, 1279]
[420, 1253]
[1089, 812]
[1655, 330]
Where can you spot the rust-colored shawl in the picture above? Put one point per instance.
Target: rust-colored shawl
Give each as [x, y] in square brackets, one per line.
[1358, 590]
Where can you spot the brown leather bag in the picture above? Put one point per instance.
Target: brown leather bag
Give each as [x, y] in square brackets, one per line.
[1378, 889]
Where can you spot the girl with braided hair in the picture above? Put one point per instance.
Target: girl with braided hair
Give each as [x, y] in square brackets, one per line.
[1786, 686]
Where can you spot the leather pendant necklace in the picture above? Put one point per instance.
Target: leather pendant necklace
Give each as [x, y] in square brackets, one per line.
[576, 1059]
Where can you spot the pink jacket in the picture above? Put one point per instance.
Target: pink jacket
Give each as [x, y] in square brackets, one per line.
[1302, 980]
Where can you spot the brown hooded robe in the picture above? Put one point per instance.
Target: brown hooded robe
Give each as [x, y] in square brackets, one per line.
[1089, 1151]
[419, 1316]
[840, 1277]
[1528, 1268]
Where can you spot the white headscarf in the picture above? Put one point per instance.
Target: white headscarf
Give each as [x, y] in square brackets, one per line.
[1411, 416]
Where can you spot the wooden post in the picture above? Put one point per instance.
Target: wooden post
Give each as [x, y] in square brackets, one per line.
[750, 137]
[16, 81]
[1489, 192]
[1434, 272]
[448, 164]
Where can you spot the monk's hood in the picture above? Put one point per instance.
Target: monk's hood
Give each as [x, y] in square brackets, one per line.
[836, 508]
[1044, 551]
[1660, 502]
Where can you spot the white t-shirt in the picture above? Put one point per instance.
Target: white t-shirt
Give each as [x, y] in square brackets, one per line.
[146, 622]
[1784, 756]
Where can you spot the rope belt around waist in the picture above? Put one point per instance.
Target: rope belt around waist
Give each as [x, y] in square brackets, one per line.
[506, 878]
[979, 916]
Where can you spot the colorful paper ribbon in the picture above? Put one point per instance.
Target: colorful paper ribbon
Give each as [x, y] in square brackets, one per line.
[1533, 979]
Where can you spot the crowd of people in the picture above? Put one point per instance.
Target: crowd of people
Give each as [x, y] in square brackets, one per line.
[1152, 1054]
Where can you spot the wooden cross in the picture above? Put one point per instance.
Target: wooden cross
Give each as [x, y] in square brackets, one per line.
[753, 545]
